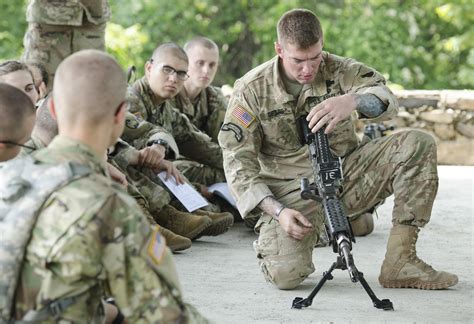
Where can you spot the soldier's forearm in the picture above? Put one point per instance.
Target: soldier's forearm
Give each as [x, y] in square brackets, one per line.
[370, 105]
[270, 206]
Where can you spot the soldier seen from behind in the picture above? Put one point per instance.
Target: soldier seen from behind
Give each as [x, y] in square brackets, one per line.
[17, 118]
[91, 240]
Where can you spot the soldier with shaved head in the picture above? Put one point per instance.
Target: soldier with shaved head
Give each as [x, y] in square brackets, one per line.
[91, 240]
[17, 118]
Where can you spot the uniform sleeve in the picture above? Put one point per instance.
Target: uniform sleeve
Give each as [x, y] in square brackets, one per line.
[141, 274]
[193, 143]
[241, 139]
[138, 131]
[361, 79]
[217, 106]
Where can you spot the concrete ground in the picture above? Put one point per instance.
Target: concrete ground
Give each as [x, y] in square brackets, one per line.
[221, 278]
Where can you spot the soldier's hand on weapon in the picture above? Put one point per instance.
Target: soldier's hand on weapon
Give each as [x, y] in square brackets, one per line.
[117, 175]
[152, 156]
[294, 223]
[330, 112]
[171, 171]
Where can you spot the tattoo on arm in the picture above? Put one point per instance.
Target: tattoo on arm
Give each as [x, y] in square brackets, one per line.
[369, 105]
[269, 205]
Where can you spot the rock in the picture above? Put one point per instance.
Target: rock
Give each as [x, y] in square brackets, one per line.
[438, 116]
[466, 129]
[457, 152]
[445, 132]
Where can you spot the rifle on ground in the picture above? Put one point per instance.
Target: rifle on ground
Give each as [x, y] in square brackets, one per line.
[327, 172]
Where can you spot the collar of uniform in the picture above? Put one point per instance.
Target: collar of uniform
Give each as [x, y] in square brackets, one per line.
[184, 103]
[143, 86]
[281, 96]
[316, 88]
[81, 152]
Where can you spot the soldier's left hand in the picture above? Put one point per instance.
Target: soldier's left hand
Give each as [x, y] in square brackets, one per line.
[117, 175]
[151, 156]
[171, 171]
[330, 112]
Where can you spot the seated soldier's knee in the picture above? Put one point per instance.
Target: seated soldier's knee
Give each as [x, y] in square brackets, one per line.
[363, 224]
[420, 140]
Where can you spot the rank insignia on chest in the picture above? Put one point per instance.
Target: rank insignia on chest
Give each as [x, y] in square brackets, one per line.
[243, 116]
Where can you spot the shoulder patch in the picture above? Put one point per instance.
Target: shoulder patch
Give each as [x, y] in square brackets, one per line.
[243, 116]
[131, 123]
[235, 129]
[156, 246]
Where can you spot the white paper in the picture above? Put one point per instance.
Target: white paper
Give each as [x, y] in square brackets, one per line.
[185, 193]
[222, 189]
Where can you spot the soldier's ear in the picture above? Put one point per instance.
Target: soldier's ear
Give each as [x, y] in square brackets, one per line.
[120, 113]
[52, 108]
[278, 49]
[147, 68]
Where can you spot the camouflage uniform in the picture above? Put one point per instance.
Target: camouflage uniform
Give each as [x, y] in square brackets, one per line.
[92, 241]
[57, 29]
[148, 121]
[207, 112]
[263, 157]
[33, 142]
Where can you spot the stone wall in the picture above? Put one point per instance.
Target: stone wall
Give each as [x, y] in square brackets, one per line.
[448, 115]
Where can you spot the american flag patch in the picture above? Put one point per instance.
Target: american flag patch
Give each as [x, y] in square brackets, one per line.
[156, 246]
[243, 116]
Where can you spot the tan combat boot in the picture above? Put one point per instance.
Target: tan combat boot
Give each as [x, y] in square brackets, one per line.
[182, 223]
[403, 269]
[220, 222]
[363, 224]
[174, 241]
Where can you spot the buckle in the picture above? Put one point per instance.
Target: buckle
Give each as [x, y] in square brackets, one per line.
[55, 309]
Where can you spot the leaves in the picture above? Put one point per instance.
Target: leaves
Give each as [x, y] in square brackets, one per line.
[424, 44]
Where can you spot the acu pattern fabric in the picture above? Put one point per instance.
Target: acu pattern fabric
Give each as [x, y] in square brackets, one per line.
[148, 121]
[263, 156]
[57, 29]
[91, 241]
[207, 112]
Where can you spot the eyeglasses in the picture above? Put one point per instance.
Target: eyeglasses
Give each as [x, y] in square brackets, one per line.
[18, 144]
[169, 70]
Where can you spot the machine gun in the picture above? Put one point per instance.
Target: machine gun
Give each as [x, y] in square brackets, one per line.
[374, 130]
[327, 171]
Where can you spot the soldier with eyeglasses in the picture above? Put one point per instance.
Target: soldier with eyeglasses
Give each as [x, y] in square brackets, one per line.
[160, 131]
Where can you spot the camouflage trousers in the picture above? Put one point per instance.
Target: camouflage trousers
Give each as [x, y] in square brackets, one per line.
[196, 172]
[403, 164]
[50, 44]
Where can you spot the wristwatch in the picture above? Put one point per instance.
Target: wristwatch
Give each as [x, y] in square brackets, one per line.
[161, 142]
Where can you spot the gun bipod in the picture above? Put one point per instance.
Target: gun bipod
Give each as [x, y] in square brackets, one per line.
[300, 302]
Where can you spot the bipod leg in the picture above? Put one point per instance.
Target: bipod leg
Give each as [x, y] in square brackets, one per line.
[385, 304]
[299, 302]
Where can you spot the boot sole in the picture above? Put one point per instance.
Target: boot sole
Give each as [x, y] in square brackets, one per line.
[217, 228]
[197, 231]
[417, 284]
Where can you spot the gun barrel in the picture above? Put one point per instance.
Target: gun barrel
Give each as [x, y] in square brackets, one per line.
[345, 250]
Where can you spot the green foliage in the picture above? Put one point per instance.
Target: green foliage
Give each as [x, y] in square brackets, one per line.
[424, 44]
[12, 28]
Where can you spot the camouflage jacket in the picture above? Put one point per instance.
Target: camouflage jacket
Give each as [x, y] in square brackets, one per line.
[92, 241]
[207, 112]
[67, 12]
[148, 121]
[263, 155]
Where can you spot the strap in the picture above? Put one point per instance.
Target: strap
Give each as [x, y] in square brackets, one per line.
[53, 309]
